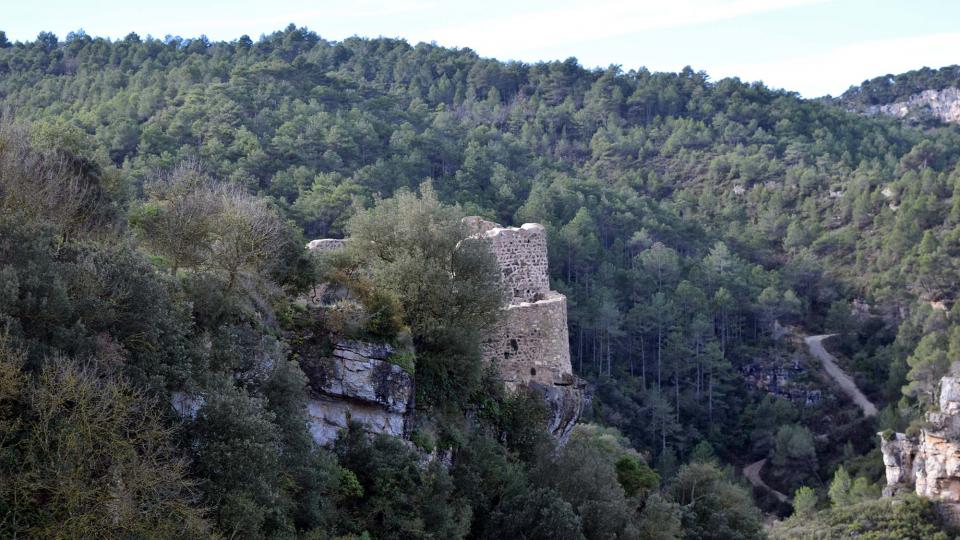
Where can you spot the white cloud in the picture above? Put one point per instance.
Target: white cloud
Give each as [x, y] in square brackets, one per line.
[832, 72]
[525, 33]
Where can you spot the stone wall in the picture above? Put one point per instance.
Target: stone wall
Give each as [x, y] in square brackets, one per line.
[325, 245]
[530, 342]
[522, 255]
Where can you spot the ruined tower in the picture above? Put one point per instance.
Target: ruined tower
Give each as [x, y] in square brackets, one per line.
[530, 344]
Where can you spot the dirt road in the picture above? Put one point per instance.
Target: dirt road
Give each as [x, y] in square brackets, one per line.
[815, 343]
[752, 472]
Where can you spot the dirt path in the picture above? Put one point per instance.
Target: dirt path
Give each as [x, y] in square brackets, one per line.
[752, 472]
[815, 343]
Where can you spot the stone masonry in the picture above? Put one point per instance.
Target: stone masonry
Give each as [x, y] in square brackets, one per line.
[530, 344]
[325, 245]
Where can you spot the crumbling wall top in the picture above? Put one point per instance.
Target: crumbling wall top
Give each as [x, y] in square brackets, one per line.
[521, 253]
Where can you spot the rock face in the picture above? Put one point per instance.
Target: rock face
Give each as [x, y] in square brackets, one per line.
[898, 453]
[530, 344]
[929, 463]
[358, 383]
[325, 245]
[943, 105]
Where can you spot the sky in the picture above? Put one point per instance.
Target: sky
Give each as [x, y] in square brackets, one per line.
[814, 47]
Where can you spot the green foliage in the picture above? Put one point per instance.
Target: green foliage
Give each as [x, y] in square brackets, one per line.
[87, 455]
[236, 451]
[400, 498]
[586, 474]
[804, 502]
[794, 455]
[703, 453]
[414, 249]
[890, 88]
[839, 492]
[712, 506]
[540, 514]
[910, 518]
[522, 423]
[635, 477]
[686, 218]
[644, 180]
[383, 310]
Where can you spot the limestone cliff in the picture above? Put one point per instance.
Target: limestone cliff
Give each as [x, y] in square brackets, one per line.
[929, 463]
[357, 383]
[942, 105]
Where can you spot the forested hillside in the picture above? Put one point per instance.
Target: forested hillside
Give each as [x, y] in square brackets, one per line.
[690, 222]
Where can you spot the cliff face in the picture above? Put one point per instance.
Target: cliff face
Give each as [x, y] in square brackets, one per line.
[358, 383]
[929, 464]
[942, 105]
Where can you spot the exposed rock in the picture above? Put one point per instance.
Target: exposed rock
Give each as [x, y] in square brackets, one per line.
[325, 245]
[942, 105]
[328, 416]
[529, 346]
[566, 406]
[938, 305]
[357, 383]
[186, 405]
[898, 452]
[929, 463]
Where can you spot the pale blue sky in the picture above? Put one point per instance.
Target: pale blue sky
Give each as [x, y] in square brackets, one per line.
[814, 47]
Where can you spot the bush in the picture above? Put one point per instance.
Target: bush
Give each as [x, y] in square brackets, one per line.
[88, 455]
[635, 476]
[804, 502]
[907, 518]
[414, 249]
[713, 506]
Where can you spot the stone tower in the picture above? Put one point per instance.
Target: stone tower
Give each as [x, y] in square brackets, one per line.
[530, 343]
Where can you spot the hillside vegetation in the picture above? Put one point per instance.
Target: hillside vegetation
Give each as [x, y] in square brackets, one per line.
[156, 195]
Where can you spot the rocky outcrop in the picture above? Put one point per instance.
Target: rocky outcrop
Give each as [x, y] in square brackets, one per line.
[326, 245]
[898, 451]
[942, 105]
[565, 405]
[529, 344]
[357, 383]
[930, 462]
